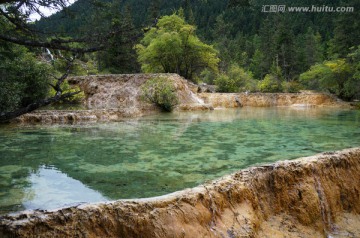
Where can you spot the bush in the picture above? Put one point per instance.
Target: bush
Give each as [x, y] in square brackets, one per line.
[237, 79]
[225, 85]
[160, 91]
[291, 87]
[270, 84]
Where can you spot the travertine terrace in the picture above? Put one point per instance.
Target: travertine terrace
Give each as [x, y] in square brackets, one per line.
[316, 196]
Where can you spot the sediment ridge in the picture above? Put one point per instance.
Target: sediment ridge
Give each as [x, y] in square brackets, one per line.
[316, 196]
[114, 97]
[303, 99]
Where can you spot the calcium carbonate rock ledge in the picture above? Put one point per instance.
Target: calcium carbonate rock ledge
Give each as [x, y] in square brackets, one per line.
[316, 196]
[303, 99]
[115, 97]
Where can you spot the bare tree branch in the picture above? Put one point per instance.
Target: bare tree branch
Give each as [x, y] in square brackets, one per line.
[53, 44]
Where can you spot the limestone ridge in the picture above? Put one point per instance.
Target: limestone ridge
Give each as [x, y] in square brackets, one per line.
[302, 100]
[114, 97]
[317, 196]
[124, 91]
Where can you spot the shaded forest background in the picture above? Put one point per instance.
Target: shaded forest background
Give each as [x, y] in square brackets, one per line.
[249, 41]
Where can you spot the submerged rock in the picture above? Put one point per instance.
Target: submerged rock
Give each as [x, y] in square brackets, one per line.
[317, 196]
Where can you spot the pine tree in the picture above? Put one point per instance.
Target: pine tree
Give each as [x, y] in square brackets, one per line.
[347, 30]
[120, 57]
[285, 48]
[189, 14]
[313, 47]
[153, 12]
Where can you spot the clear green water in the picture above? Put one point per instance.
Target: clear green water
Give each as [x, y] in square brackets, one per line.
[45, 167]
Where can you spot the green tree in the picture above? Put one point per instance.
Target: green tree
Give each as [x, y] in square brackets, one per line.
[258, 65]
[313, 47]
[173, 47]
[23, 80]
[188, 12]
[153, 11]
[347, 31]
[336, 76]
[284, 40]
[119, 55]
[353, 84]
[273, 82]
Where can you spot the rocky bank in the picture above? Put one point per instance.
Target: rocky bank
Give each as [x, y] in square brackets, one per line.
[303, 99]
[317, 196]
[114, 97]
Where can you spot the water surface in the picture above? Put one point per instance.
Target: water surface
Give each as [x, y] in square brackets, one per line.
[45, 167]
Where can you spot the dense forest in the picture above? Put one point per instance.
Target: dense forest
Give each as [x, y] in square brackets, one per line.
[278, 47]
[258, 49]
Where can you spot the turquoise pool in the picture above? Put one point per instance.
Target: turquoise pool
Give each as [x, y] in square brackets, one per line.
[49, 166]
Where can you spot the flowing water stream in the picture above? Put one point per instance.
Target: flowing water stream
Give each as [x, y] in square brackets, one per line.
[49, 166]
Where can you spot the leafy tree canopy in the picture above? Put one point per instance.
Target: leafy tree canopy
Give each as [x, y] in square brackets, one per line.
[22, 79]
[173, 47]
[339, 76]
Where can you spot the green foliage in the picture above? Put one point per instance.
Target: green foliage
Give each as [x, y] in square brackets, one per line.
[346, 32]
[338, 76]
[236, 80]
[291, 87]
[225, 85]
[66, 88]
[173, 47]
[85, 65]
[207, 76]
[315, 77]
[242, 35]
[270, 84]
[23, 80]
[160, 91]
[119, 56]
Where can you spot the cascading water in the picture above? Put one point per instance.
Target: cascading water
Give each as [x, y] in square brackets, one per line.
[48, 52]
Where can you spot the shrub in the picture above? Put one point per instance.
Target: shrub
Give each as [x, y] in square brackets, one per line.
[236, 79]
[270, 84]
[160, 91]
[225, 85]
[291, 87]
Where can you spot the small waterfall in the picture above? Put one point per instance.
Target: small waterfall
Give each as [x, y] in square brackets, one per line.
[196, 98]
[329, 227]
[48, 52]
